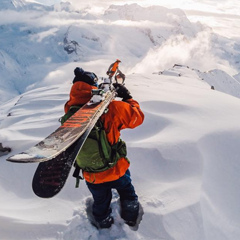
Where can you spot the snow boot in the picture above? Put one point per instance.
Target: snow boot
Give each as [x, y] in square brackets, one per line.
[129, 211]
[105, 223]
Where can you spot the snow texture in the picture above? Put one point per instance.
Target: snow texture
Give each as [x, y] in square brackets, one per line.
[184, 157]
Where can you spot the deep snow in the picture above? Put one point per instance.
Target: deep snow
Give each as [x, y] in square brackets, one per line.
[184, 157]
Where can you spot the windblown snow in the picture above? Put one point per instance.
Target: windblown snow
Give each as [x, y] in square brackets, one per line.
[184, 157]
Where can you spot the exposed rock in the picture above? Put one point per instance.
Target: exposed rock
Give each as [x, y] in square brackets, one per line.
[4, 150]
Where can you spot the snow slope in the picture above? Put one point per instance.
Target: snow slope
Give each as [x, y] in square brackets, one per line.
[184, 157]
[184, 164]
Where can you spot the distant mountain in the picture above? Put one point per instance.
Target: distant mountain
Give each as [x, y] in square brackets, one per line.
[45, 37]
[135, 12]
[12, 4]
[175, 18]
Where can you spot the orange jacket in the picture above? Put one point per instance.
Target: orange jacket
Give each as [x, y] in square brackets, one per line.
[80, 93]
[113, 68]
[120, 115]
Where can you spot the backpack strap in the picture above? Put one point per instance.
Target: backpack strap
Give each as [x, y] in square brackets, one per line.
[77, 175]
[103, 141]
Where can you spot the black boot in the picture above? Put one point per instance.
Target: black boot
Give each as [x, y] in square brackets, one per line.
[105, 223]
[129, 211]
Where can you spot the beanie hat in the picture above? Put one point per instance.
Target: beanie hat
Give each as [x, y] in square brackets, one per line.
[87, 77]
[78, 72]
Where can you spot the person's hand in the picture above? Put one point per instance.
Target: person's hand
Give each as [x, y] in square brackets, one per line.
[122, 91]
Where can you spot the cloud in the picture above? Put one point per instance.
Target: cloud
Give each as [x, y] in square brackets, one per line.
[37, 19]
[196, 53]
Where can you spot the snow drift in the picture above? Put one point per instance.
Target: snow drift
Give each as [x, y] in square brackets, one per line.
[184, 164]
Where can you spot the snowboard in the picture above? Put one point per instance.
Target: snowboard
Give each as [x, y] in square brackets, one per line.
[57, 152]
[61, 139]
[50, 176]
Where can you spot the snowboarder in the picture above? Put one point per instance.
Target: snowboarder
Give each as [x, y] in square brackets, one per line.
[113, 68]
[120, 115]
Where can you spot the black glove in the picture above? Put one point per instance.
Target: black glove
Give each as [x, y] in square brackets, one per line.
[122, 91]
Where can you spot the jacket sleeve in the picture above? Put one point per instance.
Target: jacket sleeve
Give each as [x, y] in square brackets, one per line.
[130, 114]
[121, 115]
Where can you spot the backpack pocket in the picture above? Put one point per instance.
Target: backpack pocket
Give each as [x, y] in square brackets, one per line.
[89, 159]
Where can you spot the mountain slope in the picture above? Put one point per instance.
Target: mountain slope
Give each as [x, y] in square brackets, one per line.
[184, 164]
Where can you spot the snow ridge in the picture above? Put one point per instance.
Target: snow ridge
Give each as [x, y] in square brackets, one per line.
[11, 4]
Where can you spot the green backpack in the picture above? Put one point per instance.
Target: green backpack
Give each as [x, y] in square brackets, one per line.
[97, 154]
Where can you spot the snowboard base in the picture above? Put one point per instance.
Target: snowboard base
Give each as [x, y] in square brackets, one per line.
[50, 176]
